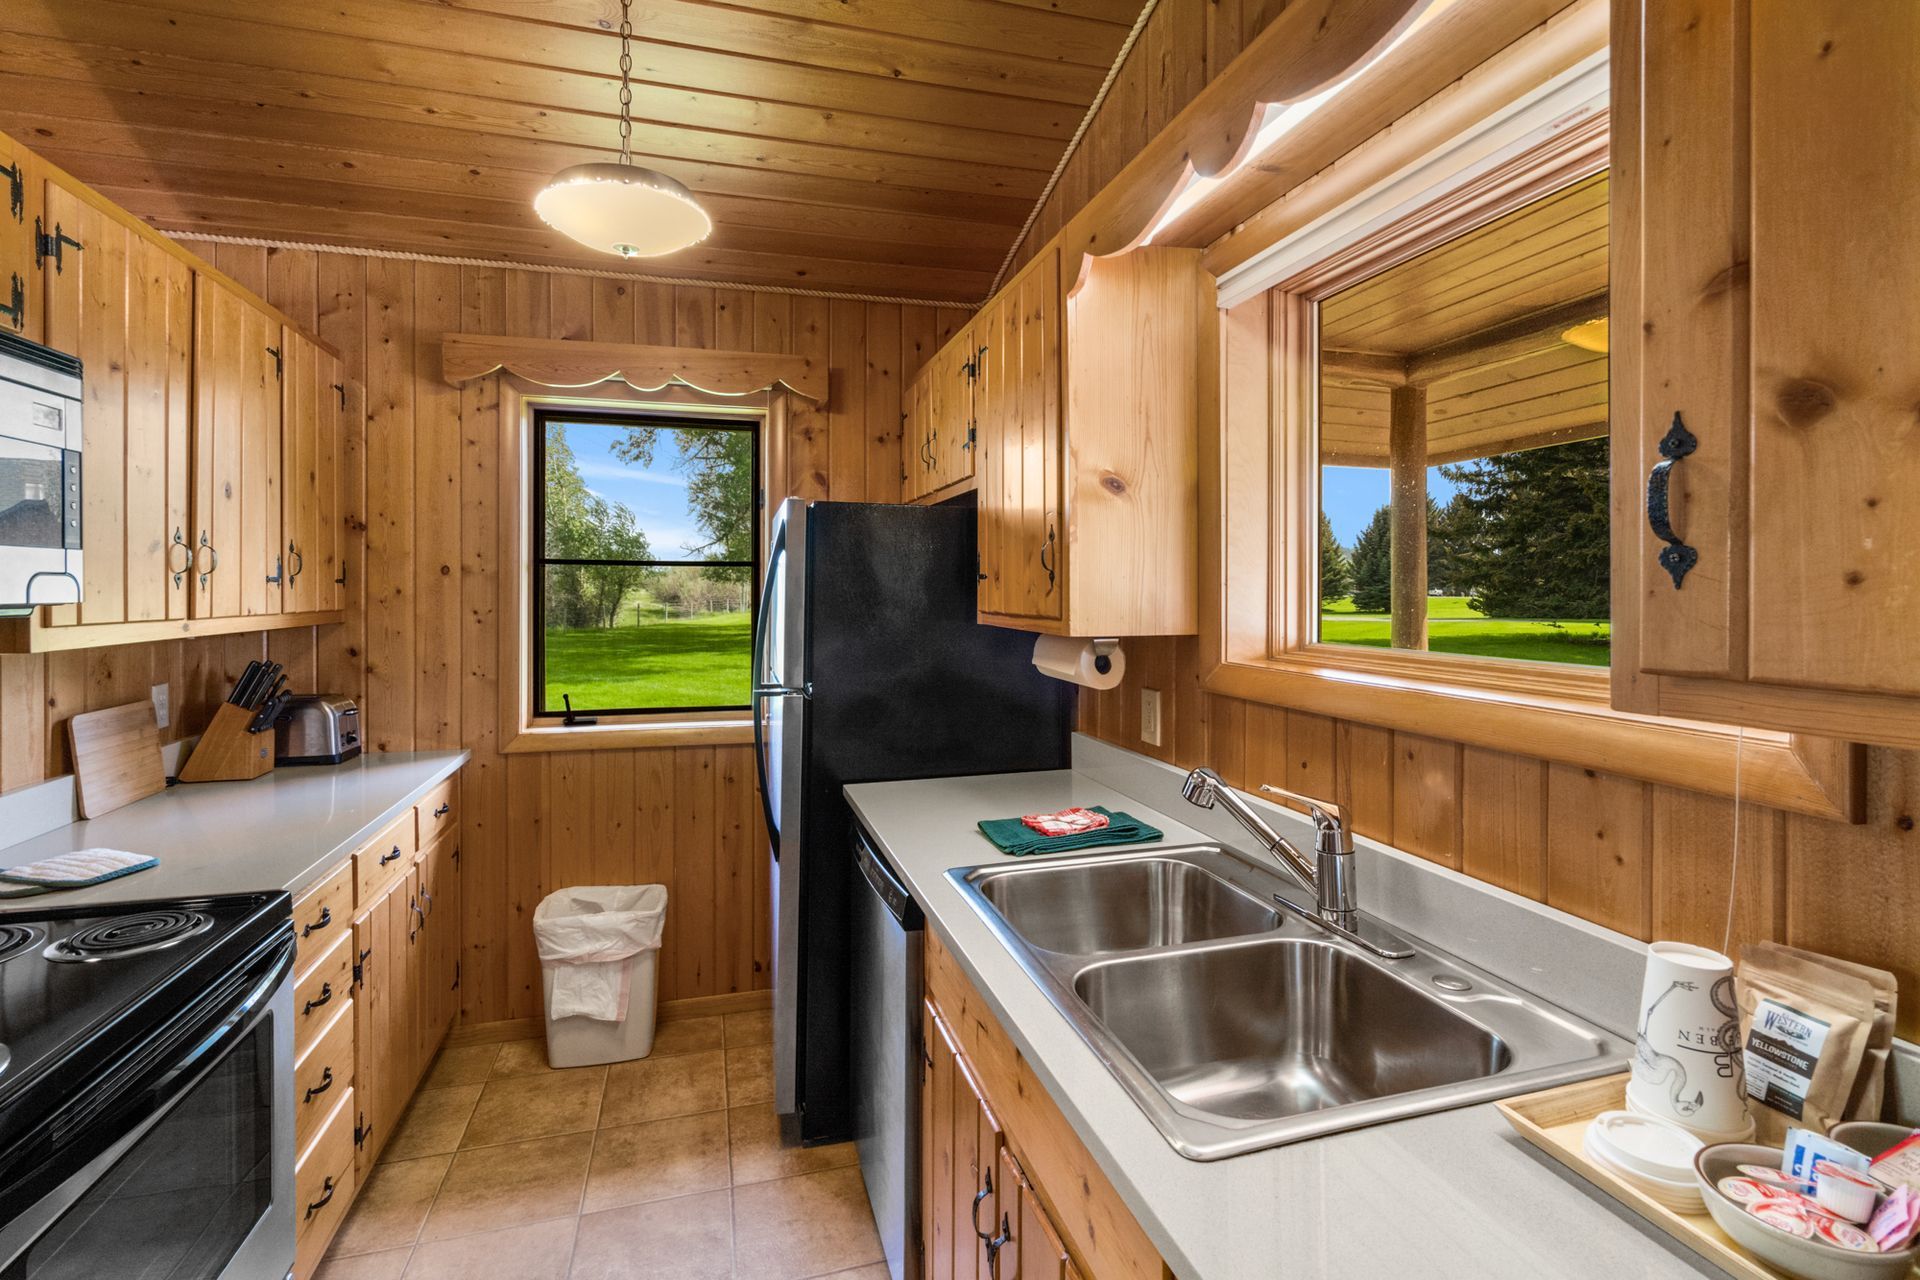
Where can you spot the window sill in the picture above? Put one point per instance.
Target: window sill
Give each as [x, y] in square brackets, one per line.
[1567, 724]
[628, 736]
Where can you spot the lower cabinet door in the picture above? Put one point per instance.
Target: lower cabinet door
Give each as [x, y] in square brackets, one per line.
[1026, 1246]
[960, 1144]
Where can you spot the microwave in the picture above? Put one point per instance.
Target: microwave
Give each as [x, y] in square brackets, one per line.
[40, 441]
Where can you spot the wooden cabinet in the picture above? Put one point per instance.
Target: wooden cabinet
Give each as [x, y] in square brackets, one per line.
[1007, 1188]
[1090, 401]
[439, 947]
[22, 303]
[942, 417]
[211, 496]
[1020, 443]
[1764, 266]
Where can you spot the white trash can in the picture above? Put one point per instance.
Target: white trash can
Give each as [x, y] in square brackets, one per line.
[599, 951]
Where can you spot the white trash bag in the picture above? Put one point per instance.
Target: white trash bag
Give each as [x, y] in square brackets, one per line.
[586, 936]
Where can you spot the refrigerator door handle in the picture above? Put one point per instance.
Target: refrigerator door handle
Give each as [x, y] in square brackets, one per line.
[761, 622]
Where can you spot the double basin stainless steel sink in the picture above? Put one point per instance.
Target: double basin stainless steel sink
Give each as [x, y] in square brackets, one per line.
[1237, 1026]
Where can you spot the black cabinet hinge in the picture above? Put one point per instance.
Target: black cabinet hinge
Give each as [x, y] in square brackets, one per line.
[456, 976]
[341, 581]
[341, 387]
[52, 246]
[279, 363]
[16, 191]
[361, 1130]
[16, 309]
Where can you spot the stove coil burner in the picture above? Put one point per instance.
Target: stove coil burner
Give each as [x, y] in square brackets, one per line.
[129, 936]
[16, 938]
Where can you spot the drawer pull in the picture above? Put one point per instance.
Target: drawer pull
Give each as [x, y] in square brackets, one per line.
[326, 1197]
[326, 918]
[446, 807]
[395, 856]
[324, 998]
[326, 1083]
[986, 1189]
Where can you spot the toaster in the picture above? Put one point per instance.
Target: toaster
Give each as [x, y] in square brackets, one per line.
[317, 728]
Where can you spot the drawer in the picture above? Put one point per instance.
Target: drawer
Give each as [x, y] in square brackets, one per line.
[323, 916]
[326, 989]
[384, 860]
[323, 1074]
[323, 1188]
[439, 812]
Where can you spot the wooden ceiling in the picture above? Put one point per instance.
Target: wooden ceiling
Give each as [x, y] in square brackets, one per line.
[1477, 322]
[883, 146]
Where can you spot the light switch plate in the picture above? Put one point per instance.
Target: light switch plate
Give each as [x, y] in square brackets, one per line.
[162, 712]
[1150, 717]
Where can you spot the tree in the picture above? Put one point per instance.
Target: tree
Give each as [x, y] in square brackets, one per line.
[1539, 544]
[1336, 574]
[718, 464]
[1452, 531]
[1372, 564]
[582, 525]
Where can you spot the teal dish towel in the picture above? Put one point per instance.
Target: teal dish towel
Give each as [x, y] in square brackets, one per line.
[74, 870]
[1015, 837]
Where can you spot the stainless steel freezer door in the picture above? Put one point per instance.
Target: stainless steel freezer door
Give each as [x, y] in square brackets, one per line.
[784, 673]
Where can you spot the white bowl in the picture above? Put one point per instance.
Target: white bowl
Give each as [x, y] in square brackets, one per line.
[1806, 1259]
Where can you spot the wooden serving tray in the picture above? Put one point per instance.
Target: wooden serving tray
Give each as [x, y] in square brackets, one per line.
[1555, 1120]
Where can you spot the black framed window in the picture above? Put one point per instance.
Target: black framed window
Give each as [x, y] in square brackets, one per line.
[646, 551]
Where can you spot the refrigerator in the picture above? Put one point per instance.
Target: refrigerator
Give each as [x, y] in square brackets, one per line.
[869, 666]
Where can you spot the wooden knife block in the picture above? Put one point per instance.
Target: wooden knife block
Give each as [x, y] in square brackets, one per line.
[227, 752]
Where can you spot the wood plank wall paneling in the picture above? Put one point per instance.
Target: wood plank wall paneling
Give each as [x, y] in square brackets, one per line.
[423, 654]
[1185, 45]
[1651, 861]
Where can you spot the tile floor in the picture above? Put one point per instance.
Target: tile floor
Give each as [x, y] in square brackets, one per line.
[666, 1167]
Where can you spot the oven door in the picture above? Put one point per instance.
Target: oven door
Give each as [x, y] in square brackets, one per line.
[188, 1165]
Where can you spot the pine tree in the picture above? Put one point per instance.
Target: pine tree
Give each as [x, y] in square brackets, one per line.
[1336, 574]
[1540, 548]
[1372, 564]
[1452, 531]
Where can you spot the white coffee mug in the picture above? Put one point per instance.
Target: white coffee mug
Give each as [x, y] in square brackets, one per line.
[1686, 1060]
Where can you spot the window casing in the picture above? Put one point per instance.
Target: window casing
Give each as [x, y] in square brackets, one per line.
[540, 562]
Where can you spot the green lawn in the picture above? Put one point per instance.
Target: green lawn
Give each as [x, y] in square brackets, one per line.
[1454, 627]
[675, 662]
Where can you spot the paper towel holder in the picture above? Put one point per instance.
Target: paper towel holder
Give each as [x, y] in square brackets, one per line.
[1103, 651]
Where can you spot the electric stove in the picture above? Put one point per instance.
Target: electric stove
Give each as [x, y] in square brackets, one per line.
[145, 1095]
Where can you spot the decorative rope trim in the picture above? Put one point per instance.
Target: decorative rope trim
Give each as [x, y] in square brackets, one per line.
[1073, 143]
[598, 273]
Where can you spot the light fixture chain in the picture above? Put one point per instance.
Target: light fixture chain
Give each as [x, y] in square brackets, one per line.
[626, 81]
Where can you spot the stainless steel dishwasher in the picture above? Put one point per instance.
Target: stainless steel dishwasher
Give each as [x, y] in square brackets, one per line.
[886, 997]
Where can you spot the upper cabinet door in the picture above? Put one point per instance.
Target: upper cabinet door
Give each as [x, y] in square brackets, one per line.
[303, 407]
[239, 559]
[124, 306]
[22, 196]
[1764, 368]
[1019, 447]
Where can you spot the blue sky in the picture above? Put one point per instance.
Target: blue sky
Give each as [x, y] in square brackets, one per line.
[657, 495]
[1350, 496]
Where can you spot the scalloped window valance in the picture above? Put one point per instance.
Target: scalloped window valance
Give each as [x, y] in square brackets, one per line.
[565, 362]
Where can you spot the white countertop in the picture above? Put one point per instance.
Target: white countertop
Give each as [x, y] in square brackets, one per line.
[282, 830]
[1451, 1194]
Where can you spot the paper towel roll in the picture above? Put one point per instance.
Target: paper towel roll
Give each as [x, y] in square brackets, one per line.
[1097, 664]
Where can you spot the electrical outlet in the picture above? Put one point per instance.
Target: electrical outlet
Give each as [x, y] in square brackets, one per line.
[1150, 717]
[162, 713]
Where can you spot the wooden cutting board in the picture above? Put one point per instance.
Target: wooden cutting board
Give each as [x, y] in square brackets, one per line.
[116, 757]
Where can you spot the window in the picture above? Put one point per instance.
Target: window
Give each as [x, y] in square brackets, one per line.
[646, 535]
[1463, 442]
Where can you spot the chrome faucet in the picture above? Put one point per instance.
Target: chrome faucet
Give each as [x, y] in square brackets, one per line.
[1331, 875]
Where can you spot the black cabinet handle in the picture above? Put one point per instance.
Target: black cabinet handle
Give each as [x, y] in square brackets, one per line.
[444, 809]
[326, 1083]
[327, 1190]
[986, 1189]
[995, 1245]
[1677, 558]
[326, 918]
[324, 998]
[299, 562]
[1045, 560]
[395, 856]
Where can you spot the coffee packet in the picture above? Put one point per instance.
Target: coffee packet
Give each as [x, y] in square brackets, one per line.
[1869, 1095]
[1804, 1029]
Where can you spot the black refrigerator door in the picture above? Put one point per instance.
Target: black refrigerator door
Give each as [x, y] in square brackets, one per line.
[902, 682]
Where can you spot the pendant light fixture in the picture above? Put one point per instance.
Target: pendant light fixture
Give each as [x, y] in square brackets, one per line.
[623, 208]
